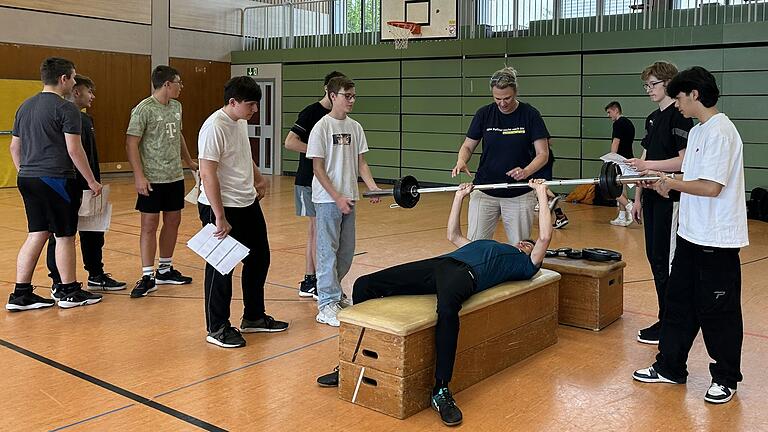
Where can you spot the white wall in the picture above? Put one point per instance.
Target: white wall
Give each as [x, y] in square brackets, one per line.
[50, 29]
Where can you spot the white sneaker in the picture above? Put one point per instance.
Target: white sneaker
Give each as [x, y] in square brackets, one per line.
[553, 202]
[621, 219]
[718, 394]
[327, 315]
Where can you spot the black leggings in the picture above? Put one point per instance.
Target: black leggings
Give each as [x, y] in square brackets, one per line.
[450, 279]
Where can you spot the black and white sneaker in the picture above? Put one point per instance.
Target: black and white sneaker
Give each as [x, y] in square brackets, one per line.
[144, 286]
[27, 300]
[171, 277]
[78, 297]
[105, 282]
[266, 324]
[718, 394]
[329, 379]
[308, 288]
[650, 335]
[444, 404]
[227, 337]
[649, 375]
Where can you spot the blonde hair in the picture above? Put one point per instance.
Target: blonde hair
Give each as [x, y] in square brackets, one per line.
[662, 70]
[503, 78]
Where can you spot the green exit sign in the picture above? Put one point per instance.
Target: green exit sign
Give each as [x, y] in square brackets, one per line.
[252, 71]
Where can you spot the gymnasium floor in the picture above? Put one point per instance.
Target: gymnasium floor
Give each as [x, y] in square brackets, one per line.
[143, 364]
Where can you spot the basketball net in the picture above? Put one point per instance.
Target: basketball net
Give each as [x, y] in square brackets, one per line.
[401, 31]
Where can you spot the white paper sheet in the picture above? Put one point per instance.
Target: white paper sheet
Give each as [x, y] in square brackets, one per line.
[195, 192]
[97, 222]
[223, 254]
[91, 205]
[622, 162]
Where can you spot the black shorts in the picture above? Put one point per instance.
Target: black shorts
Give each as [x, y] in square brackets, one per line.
[51, 204]
[164, 197]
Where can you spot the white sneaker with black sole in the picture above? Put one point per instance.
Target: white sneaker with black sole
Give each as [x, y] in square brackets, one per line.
[718, 394]
[649, 375]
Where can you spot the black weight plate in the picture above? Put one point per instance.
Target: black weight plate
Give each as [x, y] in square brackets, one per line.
[405, 192]
[609, 187]
[598, 254]
[574, 253]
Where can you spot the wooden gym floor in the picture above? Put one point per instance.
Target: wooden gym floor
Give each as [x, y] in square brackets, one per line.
[143, 364]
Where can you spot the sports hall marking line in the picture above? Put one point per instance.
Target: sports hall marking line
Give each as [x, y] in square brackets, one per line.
[299, 300]
[757, 335]
[113, 388]
[257, 362]
[91, 418]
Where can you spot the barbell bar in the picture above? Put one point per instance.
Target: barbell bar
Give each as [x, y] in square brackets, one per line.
[610, 183]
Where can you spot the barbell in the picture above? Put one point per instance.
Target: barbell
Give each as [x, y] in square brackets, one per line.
[610, 183]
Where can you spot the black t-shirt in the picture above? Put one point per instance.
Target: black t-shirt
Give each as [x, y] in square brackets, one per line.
[88, 138]
[624, 130]
[308, 118]
[666, 133]
[41, 122]
[507, 143]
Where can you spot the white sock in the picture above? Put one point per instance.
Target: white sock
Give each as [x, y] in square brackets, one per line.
[147, 271]
[165, 265]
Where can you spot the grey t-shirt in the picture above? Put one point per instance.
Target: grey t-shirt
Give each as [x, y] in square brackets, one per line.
[41, 122]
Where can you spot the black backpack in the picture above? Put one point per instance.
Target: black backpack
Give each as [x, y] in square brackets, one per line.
[757, 206]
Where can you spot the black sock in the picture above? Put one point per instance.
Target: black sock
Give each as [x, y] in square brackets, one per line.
[310, 277]
[22, 288]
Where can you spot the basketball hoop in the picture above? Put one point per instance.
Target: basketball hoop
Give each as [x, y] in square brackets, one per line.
[402, 31]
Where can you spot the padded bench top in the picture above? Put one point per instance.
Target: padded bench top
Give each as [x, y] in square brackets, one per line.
[582, 267]
[404, 315]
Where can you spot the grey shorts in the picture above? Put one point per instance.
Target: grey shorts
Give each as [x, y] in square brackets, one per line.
[303, 198]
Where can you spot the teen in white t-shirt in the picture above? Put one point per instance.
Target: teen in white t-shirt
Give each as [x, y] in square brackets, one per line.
[336, 146]
[704, 290]
[230, 189]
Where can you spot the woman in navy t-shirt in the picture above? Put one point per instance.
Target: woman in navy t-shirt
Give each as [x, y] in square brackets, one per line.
[514, 148]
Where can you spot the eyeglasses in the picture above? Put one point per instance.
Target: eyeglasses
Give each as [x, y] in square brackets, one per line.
[177, 82]
[652, 84]
[348, 96]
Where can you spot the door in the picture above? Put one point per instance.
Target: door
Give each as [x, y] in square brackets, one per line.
[261, 129]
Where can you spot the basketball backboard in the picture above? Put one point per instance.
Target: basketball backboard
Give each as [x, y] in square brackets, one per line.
[436, 17]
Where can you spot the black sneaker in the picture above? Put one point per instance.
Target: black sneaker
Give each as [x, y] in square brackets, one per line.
[27, 301]
[718, 394]
[329, 379]
[265, 324]
[227, 337]
[650, 335]
[144, 286]
[78, 297]
[444, 404]
[105, 282]
[171, 277]
[308, 288]
[55, 291]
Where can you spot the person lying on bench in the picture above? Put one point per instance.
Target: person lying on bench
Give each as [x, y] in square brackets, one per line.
[455, 277]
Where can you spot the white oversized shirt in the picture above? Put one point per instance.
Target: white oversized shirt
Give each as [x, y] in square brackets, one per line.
[225, 141]
[715, 153]
[339, 142]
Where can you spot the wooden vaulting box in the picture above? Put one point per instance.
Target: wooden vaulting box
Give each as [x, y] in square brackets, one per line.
[387, 346]
[591, 293]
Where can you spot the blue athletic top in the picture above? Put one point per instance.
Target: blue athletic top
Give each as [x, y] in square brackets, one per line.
[493, 263]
